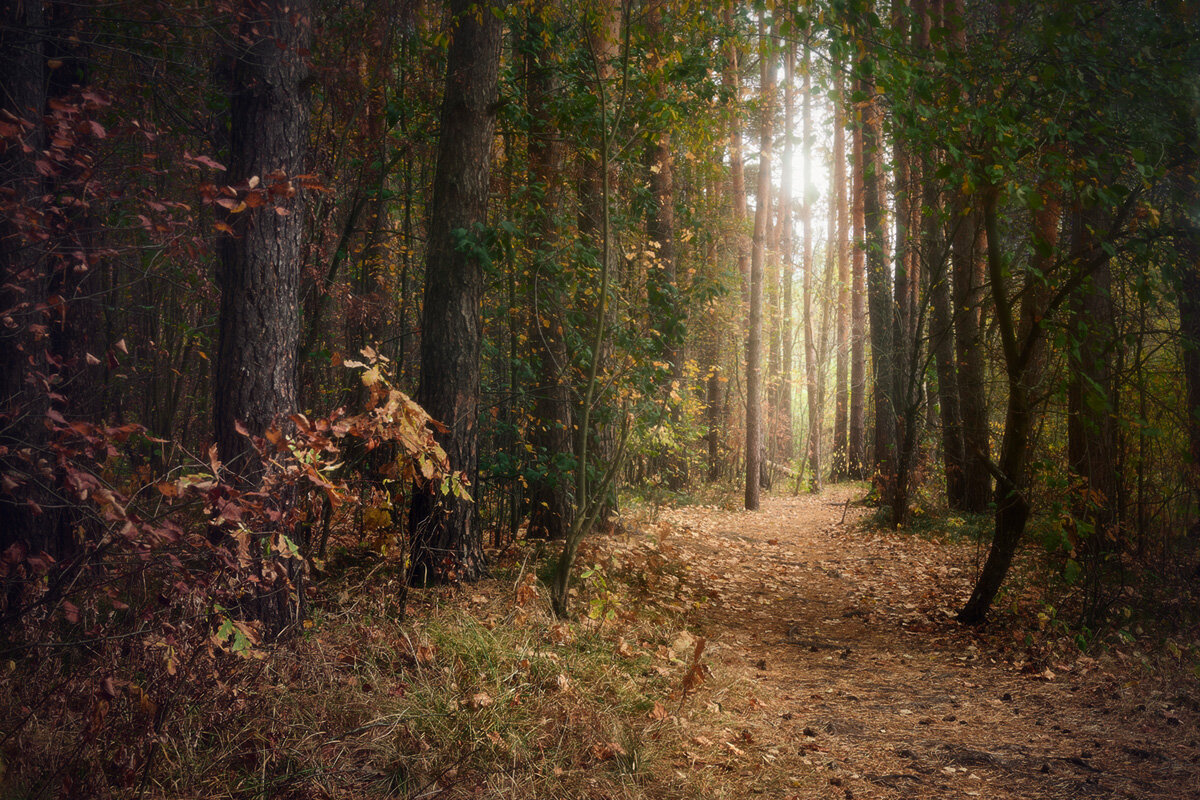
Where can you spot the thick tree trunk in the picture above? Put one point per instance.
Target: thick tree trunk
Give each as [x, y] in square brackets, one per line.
[907, 327]
[549, 492]
[754, 337]
[879, 297]
[445, 543]
[1187, 191]
[1189, 331]
[255, 385]
[967, 257]
[937, 283]
[260, 261]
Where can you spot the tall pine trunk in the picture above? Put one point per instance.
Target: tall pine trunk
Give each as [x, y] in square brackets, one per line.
[840, 466]
[879, 291]
[856, 447]
[549, 492]
[968, 254]
[445, 542]
[261, 256]
[754, 336]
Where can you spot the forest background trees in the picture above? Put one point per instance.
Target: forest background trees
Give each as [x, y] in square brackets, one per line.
[947, 247]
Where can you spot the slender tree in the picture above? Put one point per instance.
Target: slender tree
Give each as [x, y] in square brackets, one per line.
[856, 447]
[757, 258]
[811, 362]
[840, 466]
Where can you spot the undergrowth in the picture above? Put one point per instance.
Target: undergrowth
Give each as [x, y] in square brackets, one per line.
[476, 691]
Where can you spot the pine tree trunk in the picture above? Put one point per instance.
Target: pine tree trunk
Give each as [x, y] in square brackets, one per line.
[1092, 451]
[754, 337]
[857, 437]
[256, 369]
[786, 257]
[879, 295]
[445, 543]
[661, 286]
[967, 248]
[840, 467]
[551, 506]
[968, 257]
[812, 382]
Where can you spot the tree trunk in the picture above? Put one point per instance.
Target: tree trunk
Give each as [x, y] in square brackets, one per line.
[754, 337]
[737, 170]
[812, 378]
[937, 283]
[662, 287]
[445, 543]
[1187, 290]
[261, 259]
[549, 492]
[1092, 451]
[840, 468]
[1021, 340]
[879, 295]
[967, 248]
[968, 258]
[857, 436]
[603, 39]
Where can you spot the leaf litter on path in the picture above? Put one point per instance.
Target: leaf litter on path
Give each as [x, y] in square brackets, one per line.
[839, 671]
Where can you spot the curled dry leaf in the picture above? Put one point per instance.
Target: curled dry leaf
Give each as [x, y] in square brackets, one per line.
[479, 700]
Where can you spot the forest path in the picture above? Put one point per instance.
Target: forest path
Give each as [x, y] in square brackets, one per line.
[838, 671]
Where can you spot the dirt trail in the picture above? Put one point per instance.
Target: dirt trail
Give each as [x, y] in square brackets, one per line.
[838, 672]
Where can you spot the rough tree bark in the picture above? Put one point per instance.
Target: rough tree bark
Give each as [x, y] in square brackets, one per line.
[260, 258]
[445, 543]
[549, 492]
[856, 447]
[840, 467]
[879, 292]
[1092, 450]
[754, 337]
[968, 257]
[812, 377]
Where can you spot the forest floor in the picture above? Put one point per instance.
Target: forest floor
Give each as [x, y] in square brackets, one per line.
[840, 671]
[799, 652]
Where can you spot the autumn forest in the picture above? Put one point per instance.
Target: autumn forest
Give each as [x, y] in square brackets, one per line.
[520, 399]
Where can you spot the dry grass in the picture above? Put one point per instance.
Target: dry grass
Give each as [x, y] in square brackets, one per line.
[479, 691]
